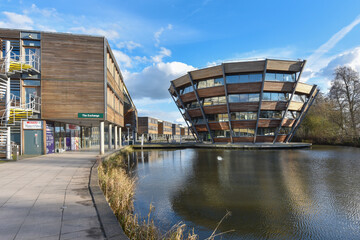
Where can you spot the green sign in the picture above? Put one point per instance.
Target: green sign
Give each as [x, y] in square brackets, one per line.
[90, 115]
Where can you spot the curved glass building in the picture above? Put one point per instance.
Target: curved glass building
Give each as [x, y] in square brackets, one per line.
[252, 101]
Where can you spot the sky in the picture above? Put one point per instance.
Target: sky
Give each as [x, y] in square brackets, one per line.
[156, 41]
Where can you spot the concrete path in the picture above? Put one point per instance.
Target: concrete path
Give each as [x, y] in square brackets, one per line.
[47, 197]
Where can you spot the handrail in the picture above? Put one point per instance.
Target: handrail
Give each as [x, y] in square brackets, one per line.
[32, 59]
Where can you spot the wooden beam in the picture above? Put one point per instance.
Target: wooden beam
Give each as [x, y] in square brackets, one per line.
[201, 107]
[291, 97]
[227, 103]
[260, 100]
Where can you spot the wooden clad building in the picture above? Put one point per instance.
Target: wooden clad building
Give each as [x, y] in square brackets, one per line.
[148, 125]
[79, 83]
[164, 127]
[253, 101]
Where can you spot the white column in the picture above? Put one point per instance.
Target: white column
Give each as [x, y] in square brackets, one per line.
[110, 136]
[8, 144]
[102, 138]
[116, 137]
[120, 137]
[7, 101]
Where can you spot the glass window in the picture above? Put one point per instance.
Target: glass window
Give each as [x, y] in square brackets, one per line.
[243, 132]
[289, 77]
[266, 131]
[210, 83]
[274, 96]
[270, 77]
[279, 77]
[244, 97]
[31, 83]
[234, 98]
[31, 43]
[285, 130]
[222, 100]
[266, 96]
[255, 77]
[30, 35]
[218, 81]
[254, 97]
[232, 79]
[202, 84]
[244, 78]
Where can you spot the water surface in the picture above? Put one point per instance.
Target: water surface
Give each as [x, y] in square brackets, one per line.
[271, 194]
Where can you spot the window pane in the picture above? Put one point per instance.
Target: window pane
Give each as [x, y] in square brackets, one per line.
[232, 79]
[266, 96]
[255, 77]
[274, 96]
[244, 98]
[31, 83]
[218, 81]
[279, 77]
[270, 76]
[254, 97]
[202, 84]
[210, 83]
[222, 100]
[244, 78]
[233, 98]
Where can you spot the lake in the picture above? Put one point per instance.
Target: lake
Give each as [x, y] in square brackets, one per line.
[271, 194]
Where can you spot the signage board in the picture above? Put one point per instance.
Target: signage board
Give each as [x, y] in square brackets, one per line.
[90, 115]
[32, 124]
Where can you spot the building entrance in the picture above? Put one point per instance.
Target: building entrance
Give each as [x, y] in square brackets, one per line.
[33, 142]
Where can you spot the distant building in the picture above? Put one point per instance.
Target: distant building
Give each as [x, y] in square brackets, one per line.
[175, 129]
[164, 127]
[148, 125]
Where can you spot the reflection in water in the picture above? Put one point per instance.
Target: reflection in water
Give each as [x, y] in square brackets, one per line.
[283, 194]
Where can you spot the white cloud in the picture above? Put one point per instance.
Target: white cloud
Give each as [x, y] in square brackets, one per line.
[14, 20]
[122, 58]
[46, 12]
[158, 33]
[164, 52]
[153, 81]
[170, 116]
[129, 45]
[109, 34]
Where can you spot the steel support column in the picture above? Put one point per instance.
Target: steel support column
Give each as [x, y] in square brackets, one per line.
[193, 128]
[289, 102]
[110, 136]
[116, 137]
[260, 99]
[201, 107]
[227, 103]
[303, 116]
[102, 138]
[301, 113]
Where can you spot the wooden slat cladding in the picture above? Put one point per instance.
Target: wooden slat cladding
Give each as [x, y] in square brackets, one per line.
[195, 112]
[114, 85]
[288, 122]
[295, 106]
[72, 58]
[281, 65]
[303, 88]
[269, 105]
[207, 73]
[244, 107]
[219, 126]
[278, 86]
[211, 91]
[281, 138]
[243, 124]
[269, 123]
[201, 128]
[188, 97]
[243, 139]
[240, 67]
[215, 109]
[9, 33]
[244, 88]
[114, 117]
[65, 99]
[222, 139]
[264, 138]
[181, 81]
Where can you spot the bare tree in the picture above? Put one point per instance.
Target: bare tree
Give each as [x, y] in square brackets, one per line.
[345, 91]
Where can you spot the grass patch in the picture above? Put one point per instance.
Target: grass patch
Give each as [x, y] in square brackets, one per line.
[119, 190]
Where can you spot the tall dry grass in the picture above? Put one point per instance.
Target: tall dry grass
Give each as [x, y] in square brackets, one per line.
[119, 190]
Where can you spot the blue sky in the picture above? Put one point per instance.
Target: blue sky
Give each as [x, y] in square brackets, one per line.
[156, 41]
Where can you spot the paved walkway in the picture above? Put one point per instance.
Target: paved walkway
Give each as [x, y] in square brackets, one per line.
[47, 197]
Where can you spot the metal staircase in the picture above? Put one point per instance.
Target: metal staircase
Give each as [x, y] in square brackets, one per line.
[13, 109]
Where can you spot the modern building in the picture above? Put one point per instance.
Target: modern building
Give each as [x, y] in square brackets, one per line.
[65, 89]
[176, 129]
[164, 128]
[250, 101]
[148, 126]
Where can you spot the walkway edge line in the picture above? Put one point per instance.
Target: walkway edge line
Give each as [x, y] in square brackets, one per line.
[108, 221]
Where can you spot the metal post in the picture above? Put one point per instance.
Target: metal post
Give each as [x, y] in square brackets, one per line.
[7, 102]
[110, 136]
[102, 138]
[116, 137]
[8, 144]
[227, 103]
